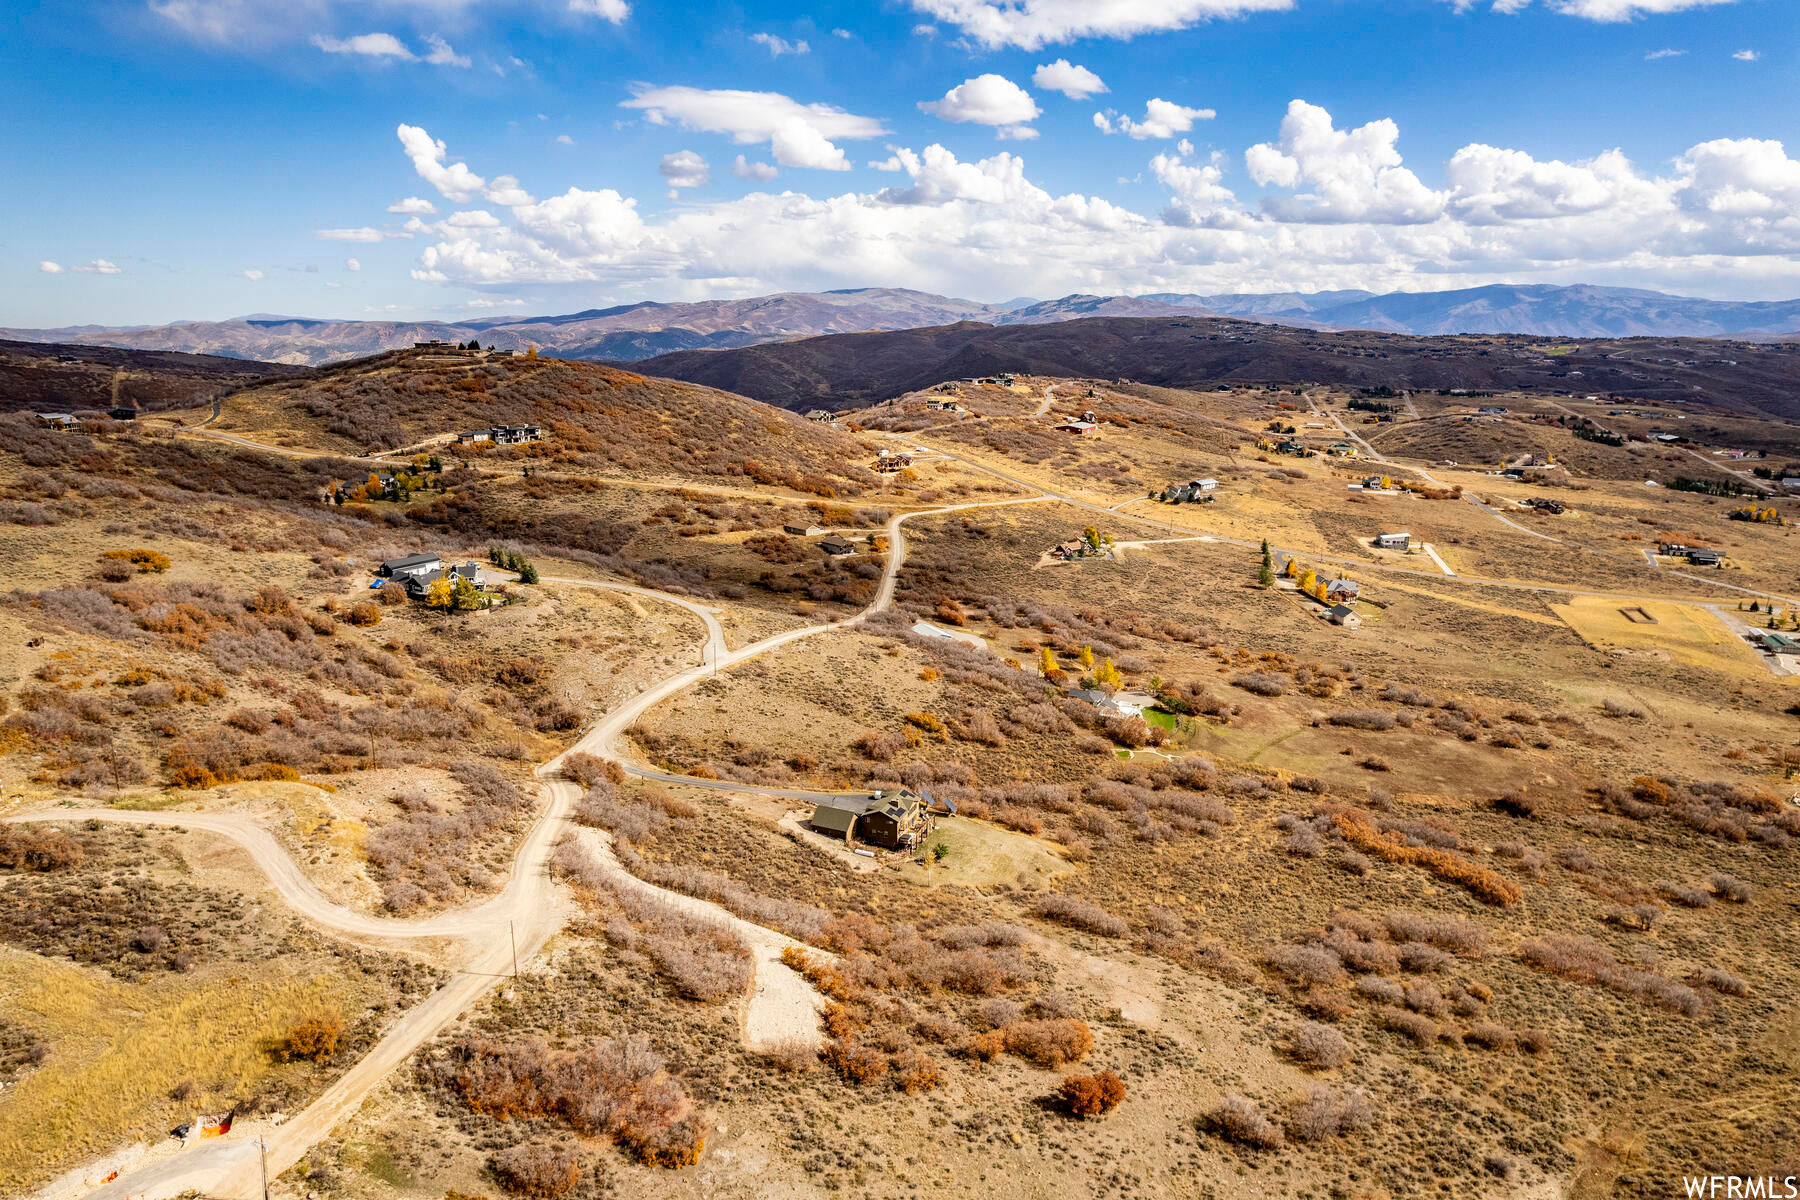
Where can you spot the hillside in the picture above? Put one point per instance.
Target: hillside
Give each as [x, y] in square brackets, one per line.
[857, 369]
[594, 417]
[38, 377]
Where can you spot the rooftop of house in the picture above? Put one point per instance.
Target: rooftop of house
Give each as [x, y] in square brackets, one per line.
[411, 560]
[894, 804]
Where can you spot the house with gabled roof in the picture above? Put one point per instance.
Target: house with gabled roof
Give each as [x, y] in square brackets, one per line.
[891, 820]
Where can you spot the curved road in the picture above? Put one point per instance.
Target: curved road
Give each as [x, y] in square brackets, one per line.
[529, 907]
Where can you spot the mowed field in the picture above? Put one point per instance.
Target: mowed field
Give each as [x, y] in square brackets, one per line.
[1662, 631]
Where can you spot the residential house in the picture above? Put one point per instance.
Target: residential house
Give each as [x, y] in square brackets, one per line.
[410, 566]
[937, 405]
[1119, 704]
[1341, 450]
[1193, 490]
[1697, 555]
[1374, 483]
[1343, 614]
[892, 820]
[1081, 428]
[1393, 541]
[821, 415]
[503, 435]
[418, 584]
[1070, 550]
[1343, 591]
[836, 546]
[803, 530]
[59, 420]
[889, 461]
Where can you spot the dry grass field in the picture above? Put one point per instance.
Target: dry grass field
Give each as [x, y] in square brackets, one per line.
[154, 980]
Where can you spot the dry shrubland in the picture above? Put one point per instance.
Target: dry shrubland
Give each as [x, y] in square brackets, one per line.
[611, 1087]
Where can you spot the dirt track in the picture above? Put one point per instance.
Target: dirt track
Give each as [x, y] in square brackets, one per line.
[530, 908]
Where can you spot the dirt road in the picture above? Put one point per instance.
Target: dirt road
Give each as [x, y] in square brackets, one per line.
[529, 908]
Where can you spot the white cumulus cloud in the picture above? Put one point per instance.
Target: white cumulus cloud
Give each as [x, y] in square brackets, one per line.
[1162, 119]
[252, 274]
[1352, 175]
[685, 169]
[1654, 55]
[1334, 208]
[413, 206]
[368, 45]
[607, 10]
[1746, 55]
[50, 268]
[99, 266]
[1034, 24]
[762, 172]
[798, 135]
[987, 100]
[454, 182]
[351, 264]
[1075, 82]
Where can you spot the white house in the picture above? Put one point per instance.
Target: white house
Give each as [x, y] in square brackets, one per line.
[1393, 541]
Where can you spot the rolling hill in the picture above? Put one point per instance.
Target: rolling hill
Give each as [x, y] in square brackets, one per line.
[856, 369]
[39, 377]
[595, 416]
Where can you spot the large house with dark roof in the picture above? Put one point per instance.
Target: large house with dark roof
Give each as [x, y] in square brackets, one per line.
[891, 820]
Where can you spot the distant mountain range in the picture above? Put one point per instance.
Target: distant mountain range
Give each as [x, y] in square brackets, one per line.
[639, 331]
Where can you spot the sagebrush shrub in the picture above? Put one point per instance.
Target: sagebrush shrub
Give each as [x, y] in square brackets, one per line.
[1091, 1095]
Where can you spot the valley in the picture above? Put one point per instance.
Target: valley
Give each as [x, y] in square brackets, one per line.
[1402, 805]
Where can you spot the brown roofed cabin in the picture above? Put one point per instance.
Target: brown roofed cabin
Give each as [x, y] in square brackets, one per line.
[892, 820]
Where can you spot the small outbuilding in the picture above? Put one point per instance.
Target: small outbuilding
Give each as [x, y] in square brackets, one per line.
[1393, 541]
[836, 546]
[1343, 614]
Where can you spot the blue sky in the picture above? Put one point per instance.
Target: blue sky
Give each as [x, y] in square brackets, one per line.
[196, 159]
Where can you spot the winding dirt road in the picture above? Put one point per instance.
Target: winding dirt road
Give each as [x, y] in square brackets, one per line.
[530, 908]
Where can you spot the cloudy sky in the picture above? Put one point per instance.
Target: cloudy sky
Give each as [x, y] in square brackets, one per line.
[198, 159]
